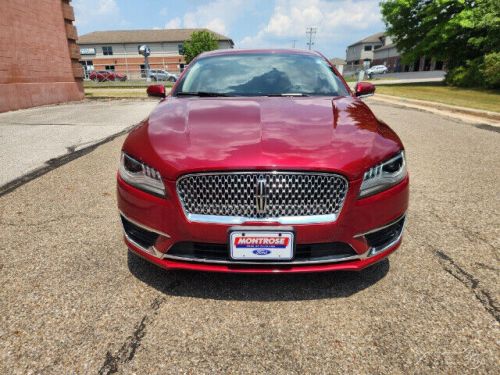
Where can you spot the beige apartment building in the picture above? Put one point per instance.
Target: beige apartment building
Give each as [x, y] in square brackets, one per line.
[361, 52]
[379, 49]
[118, 50]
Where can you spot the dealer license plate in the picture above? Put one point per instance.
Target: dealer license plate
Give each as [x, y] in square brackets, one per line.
[261, 245]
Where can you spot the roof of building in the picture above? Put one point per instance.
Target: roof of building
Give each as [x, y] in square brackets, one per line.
[383, 48]
[370, 39]
[143, 36]
[337, 61]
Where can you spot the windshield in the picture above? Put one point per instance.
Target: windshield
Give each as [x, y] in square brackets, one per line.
[261, 74]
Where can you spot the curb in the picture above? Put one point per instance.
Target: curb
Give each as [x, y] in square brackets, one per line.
[440, 106]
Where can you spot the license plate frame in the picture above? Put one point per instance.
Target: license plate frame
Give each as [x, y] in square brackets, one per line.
[280, 247]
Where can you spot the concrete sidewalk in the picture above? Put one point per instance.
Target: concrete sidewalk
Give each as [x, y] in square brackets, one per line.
[29, 138]
[470, 115]
[407, 77]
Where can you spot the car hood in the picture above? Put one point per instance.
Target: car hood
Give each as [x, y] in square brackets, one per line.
[187, 135]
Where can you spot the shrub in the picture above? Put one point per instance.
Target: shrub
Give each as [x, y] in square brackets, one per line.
[479, 72]
[467, 76]
[491, 70]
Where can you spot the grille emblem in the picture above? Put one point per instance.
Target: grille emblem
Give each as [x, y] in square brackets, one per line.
[261, 192]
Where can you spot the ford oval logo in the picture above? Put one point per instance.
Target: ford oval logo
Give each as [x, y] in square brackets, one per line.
[262, 252]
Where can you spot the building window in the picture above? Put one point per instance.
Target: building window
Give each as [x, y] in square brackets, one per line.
[109, 67]
[107, 50]
[180, 47]
[368, 48]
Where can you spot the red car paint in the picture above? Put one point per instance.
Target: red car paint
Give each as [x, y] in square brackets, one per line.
[192, 134]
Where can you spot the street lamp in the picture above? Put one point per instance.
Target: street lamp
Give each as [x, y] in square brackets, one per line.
[145, 51]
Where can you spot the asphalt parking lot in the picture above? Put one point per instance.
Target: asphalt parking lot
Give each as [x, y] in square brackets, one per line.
[74, 301]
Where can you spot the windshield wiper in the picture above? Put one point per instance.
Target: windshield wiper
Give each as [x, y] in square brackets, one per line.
[289, 94]
[199, 93]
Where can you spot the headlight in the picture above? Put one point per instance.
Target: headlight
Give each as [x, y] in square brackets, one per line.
[140, 175]
[384, 175]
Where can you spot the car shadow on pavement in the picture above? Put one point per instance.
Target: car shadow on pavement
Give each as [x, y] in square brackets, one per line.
[254, 287]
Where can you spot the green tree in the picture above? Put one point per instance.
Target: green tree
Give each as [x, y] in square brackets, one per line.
[199, 42]
[461, 32]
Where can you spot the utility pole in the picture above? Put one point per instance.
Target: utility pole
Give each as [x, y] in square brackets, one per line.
[311, 31]
[293, 43]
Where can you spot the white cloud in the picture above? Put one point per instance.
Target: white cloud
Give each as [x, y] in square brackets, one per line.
[217, 16]
[106, 7]
[217, 25]
[174, 23]
[336, 21]
[96, 12]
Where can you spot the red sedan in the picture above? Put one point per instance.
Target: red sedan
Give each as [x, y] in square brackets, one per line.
[262, 161]
[106, 75]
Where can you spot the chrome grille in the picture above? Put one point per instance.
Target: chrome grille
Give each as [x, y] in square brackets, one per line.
[290, 197]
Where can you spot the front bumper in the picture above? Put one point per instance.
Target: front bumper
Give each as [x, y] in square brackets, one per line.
[163, 227]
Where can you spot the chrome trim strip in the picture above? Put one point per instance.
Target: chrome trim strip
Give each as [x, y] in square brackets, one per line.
[376, 250]
[263, 263]
[382, 227]
[144, 226]
[216, 219]
[150, 250]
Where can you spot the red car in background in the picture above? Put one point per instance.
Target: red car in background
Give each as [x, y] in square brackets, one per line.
[262, 161]
[106, 75]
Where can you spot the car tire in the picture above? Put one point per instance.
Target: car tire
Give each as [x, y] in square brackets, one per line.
[171, 79]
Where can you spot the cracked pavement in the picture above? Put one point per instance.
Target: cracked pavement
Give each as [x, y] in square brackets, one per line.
[74, 301]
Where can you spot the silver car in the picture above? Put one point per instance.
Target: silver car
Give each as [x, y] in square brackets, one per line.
[162, 75]
[377, 69]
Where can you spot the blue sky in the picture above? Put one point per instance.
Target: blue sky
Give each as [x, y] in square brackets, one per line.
[251, 24]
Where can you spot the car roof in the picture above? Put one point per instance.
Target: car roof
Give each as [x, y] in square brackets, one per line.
[291, 51]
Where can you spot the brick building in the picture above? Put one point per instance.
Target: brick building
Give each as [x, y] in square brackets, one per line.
[118, 50]
[389, 56]
[38, 54]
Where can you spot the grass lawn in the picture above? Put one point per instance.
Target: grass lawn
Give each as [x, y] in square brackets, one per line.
[123, 84]
[488, 100]
[115, 92]
[127, 89]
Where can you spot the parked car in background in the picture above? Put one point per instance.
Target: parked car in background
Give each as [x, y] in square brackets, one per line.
[162, 75]
[377, 69]
[106, 75]
[262, 161]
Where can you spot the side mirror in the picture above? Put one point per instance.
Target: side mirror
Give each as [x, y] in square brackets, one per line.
[364, 89]
[156, 90]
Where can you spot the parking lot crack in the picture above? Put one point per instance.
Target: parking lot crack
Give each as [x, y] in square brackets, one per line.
[129, 348]
[471, 283]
